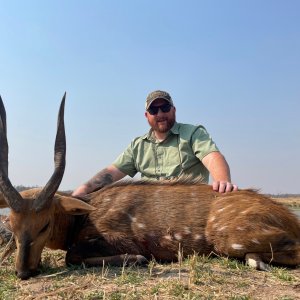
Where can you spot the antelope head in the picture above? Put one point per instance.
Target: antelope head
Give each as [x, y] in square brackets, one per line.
[30, 216]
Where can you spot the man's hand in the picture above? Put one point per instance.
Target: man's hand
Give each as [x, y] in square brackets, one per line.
[224, 186]
[81, 191]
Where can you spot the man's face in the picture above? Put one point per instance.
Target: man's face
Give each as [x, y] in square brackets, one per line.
[162, 121]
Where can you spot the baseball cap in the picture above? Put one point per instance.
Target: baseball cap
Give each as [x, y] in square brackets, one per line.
[158, 95]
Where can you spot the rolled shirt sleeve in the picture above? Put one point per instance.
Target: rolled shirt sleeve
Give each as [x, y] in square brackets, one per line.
[202, 143]
[125, 162]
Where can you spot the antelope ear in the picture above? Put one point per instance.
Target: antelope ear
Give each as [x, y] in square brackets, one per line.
[73, 206]
[3, 203]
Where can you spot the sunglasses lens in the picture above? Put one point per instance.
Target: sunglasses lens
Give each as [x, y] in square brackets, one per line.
[165, 108]
[153, 110]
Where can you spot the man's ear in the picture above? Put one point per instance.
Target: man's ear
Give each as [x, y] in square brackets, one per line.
[73, 206]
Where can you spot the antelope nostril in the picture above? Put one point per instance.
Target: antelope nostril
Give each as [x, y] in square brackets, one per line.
[24, 275]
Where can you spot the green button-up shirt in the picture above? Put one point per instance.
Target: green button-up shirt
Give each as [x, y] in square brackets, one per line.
[179, 154]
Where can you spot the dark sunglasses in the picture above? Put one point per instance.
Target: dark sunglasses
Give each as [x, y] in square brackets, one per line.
[153, 110]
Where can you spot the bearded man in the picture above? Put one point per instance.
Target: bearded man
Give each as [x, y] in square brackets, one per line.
[168, 151]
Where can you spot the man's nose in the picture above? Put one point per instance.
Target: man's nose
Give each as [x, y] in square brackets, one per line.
[160, 112]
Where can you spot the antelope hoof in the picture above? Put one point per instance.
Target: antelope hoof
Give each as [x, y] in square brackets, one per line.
[254, 261]
[141, 260]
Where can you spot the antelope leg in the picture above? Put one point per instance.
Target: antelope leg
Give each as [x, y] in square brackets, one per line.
[115, 260]
[253, 260]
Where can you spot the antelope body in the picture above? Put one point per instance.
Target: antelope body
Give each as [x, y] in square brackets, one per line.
[136, 221]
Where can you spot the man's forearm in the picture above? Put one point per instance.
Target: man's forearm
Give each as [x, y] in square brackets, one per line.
[217, 166]
[100, 180]
[106, 176]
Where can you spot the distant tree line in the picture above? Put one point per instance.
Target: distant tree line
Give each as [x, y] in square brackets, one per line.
[283, 195]
[21, 188]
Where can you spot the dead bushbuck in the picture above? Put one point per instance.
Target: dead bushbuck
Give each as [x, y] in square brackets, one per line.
[137, 221]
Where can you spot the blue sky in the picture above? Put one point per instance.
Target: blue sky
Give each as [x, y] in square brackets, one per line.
[233, 66]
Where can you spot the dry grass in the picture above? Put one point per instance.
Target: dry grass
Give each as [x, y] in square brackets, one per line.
[193, 278]
[290, 201]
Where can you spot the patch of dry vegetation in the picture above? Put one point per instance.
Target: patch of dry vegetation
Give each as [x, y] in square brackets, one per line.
[194, 278]
[289, 201]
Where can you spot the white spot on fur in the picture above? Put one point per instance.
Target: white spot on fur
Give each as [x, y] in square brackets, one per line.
[187, 230]
[212, 219]
[132, 219]
[245, 211]
[222, 228]
[228, 206]
[140, 225]
[198, 237]
[237, 246]
[240, 228]
[255, 241]
[178, 236]
[92, 240]
[221, 209]
[168, 237]
[112, 210]
[106, 199]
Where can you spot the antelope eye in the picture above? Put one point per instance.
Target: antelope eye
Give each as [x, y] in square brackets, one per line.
[44, 228]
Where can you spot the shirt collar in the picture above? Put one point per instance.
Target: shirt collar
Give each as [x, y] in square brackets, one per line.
[175, 128]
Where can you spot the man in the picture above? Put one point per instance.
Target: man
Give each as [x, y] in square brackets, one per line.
[168, 151]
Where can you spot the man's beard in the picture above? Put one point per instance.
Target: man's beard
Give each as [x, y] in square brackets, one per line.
[162, 127]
